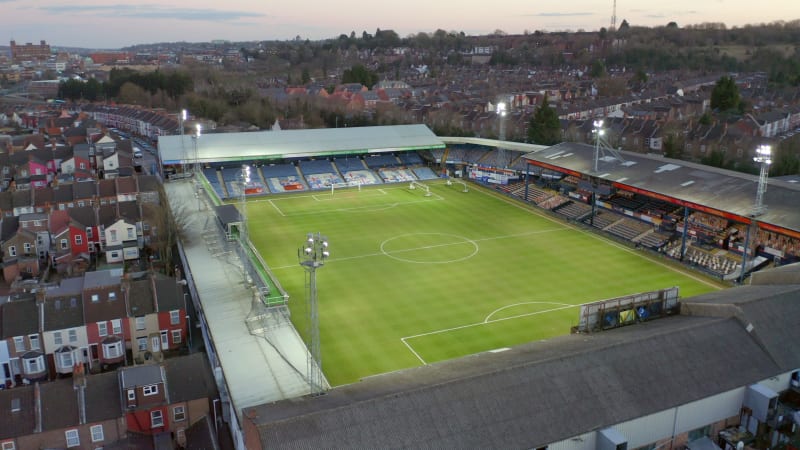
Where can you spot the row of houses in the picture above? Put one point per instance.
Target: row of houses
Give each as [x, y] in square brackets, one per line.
[103, 319]
[166, 405]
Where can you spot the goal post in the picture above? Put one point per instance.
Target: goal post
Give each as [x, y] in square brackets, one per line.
[349, 184]
[451, 181]
[416, 184]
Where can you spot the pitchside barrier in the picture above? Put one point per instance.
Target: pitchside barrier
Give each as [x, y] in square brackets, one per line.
[621, 311]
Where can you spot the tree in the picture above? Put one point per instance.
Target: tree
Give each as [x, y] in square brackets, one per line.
[598, 69]
[544, 127]
[725, 95]
[360, 74]
[624, 26]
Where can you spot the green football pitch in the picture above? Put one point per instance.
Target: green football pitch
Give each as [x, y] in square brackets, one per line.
[413, 279]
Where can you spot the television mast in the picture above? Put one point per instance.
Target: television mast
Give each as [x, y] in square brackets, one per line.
[614, 17]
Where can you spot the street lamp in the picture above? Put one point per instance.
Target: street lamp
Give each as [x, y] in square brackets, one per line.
[763, 157]
[598, 133]
[312, 255]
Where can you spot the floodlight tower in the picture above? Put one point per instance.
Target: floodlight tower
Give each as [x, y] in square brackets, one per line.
[198, 132]
[763, 157]
[312, 255]
[598, 133]
[501, 111]
[182, 120]
[243, 203]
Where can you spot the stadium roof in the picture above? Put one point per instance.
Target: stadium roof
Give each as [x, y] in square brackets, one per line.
[700, 187]
[544, 392]
[273, 145]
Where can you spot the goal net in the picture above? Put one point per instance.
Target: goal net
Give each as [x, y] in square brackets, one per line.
[349, 184]
[417, 185]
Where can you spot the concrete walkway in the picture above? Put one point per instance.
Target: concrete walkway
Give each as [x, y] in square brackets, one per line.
[263, 359]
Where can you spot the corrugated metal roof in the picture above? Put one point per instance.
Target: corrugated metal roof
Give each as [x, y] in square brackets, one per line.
[282, 144]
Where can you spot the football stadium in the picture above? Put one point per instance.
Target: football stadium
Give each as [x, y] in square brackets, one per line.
[385, 250]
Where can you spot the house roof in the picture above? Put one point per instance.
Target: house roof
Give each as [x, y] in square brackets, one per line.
[103, 399]
[19, 317]
[102, 278]
[59, 405]
[63, 305]
[140, 297]
[169, 294]
[189, 378]
[137, 376]
[237, 147]
[547, 391]
[17, 423]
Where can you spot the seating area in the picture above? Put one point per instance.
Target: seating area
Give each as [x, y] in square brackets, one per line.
[213, 179]
[717, 261]
[410, 158]
[603, 219]
[553, 202]
[424, 173]
[362, 176]
[654, 240]
[285, 184]
[396, 175]
[316, 166]
[629, 229]
[378, 161]
[475, 155]
[574, 210]
[349, 164]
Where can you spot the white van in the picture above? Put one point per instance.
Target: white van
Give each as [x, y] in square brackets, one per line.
[137, 152]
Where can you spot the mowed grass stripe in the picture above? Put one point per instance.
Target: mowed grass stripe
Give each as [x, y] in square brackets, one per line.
[431, 280]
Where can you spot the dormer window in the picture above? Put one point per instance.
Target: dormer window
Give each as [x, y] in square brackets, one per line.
[150, 390]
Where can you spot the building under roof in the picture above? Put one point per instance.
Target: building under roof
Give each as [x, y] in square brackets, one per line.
[283, 144]
[562, 389]
[704, 188]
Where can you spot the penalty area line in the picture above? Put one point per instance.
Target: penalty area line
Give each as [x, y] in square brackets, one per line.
[403, 340]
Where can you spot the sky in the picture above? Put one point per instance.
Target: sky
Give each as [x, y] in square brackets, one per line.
[118, 23]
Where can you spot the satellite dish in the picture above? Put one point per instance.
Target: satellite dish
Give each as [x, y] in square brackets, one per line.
[740, 445]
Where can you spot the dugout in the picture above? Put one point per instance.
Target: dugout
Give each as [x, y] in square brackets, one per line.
[230, 220]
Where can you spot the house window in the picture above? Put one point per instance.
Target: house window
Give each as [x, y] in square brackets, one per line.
[164, 340]
[66, 359]
[57, 339]
[175, 317]
[73, 440]
[115, 255]
[112, 296]
[27, 247]
[89, 232]
[176, 336]
[151, 389]
[113, 235]
[64, 244]
[34, 338]
[156, 419]
[73, 335]
[131, 395]
[62, 206]
[116, 326]
[19, 344]
[95, 297]
[82, 165]
[178, 413]
[8, 445]
[78, 239]
[141, 343]
[102, 329]
[81, 203]
[131, 233]
[37, 223]
[34, 365]
[12, 251]
[97, 433]
[140, 323]
[112, 350]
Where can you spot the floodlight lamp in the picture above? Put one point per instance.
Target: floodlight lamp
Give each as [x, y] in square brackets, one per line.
[501, 108]
[601, 132]
[598, 124]
[199, 129]
[325, 244]
[307, 250]
[764, 150]
[768, 161]
[325, 254]
[183, 114]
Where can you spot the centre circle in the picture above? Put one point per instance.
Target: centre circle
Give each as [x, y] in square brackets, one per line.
[429, 248]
